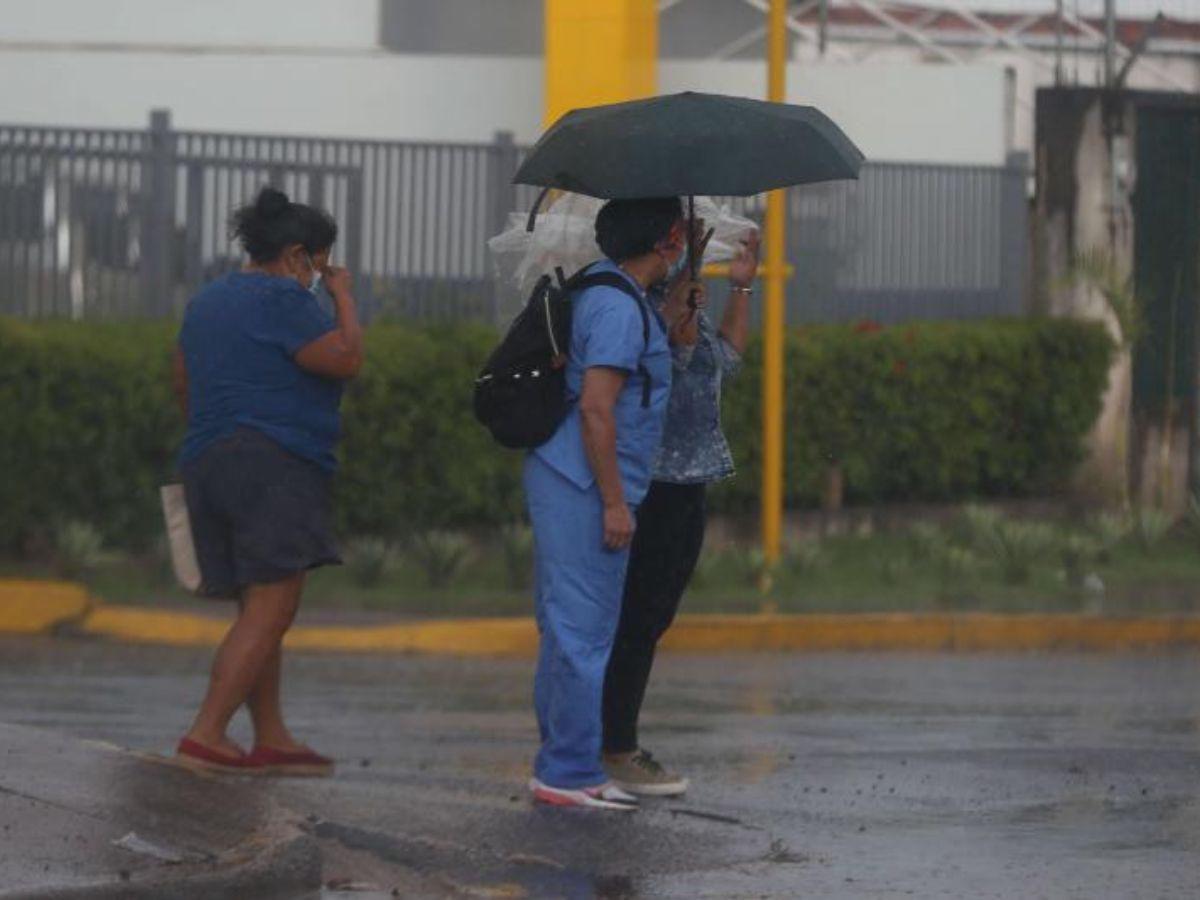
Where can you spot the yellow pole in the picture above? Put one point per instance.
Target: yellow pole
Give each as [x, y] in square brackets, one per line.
[773, 313]
[599, 51]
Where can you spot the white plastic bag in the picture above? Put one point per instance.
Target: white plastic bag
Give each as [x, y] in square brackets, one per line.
[179, 537]
[564, 236]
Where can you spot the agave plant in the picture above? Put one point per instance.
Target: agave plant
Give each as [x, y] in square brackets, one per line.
[440, 554]
[516, 543]
[78, 549]
[927, 540]
[1150, 526]
[1110, 530]
[707, 567]
[1015, 547]
[1078, 551]
[367, 560]
[804, 557]
[1192, 516]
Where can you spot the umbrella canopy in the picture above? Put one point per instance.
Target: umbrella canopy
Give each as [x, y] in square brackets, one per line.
[690, 143]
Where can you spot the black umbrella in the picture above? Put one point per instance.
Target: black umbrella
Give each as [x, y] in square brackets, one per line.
[687, 144]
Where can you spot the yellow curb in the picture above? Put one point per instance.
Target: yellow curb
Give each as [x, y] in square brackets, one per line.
[931, 632]
[152, 626]
[35, 607]
[694, 634]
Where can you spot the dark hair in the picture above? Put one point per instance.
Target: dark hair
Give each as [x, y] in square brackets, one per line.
[629, 228]
[272, 222]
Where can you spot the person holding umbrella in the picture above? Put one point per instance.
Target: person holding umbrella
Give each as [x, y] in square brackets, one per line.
[681, 145]
[583, 486]
[671, 518]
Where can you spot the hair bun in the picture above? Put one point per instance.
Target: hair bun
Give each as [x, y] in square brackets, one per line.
[271, 203]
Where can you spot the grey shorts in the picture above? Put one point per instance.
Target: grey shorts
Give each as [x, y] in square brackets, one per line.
[259, 513]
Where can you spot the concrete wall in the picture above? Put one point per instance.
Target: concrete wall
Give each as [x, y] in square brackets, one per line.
[896, 113]
[1081, 207]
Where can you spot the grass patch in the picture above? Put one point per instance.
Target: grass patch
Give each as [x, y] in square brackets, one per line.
[981, 561]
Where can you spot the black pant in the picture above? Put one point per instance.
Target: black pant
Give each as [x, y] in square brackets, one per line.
[666, 546]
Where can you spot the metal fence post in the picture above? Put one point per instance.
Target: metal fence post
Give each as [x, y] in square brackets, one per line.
[193, 247]
[354, 244]
[1014, 235]
[158, 215]
[502, 200]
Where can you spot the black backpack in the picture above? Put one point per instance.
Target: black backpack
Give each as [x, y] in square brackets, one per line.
[521, 394]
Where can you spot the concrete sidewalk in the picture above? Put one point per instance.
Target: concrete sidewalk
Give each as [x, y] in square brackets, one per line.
[87, 820]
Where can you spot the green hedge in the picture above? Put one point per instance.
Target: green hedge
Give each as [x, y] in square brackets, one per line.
[88, 427]
[940, 411]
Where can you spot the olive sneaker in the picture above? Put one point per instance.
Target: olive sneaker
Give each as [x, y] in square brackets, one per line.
[640, 773]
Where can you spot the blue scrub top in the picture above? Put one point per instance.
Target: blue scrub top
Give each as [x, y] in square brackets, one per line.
[606, 330]
[239, 337]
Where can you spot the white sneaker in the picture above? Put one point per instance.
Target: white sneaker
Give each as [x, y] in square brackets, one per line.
[602, 796]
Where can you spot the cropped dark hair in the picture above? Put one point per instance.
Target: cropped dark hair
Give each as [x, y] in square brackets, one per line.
[272, 222]
[629, 228]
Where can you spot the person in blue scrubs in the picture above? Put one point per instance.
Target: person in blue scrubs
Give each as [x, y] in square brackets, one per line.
[583, 487]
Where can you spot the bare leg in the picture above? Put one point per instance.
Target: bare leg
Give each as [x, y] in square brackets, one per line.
[267, 613]
[266, 711]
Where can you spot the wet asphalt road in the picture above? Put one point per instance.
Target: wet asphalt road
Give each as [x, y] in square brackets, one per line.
[841, 775]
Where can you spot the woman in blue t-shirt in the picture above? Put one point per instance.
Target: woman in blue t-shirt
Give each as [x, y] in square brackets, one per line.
[259, 370]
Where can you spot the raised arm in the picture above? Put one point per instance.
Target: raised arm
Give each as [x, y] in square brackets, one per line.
[339, 353]
[735, 324]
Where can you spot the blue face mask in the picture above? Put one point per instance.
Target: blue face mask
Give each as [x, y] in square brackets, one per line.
[676, 268]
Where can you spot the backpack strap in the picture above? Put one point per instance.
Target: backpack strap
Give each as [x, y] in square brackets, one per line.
[582, 280]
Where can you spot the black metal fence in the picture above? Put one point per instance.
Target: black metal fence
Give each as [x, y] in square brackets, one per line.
[121, 223]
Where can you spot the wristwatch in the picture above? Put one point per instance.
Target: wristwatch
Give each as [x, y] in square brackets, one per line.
[738, 289]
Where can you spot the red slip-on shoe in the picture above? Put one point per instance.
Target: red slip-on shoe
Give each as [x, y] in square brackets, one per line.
[197, 756]
[293, 763]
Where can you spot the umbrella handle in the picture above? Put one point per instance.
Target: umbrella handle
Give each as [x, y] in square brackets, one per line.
[537, 205]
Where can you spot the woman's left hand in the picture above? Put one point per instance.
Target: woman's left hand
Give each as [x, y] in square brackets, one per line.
[743, 268]
[684, 301]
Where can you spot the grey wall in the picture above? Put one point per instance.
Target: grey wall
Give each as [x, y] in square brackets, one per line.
[693, 29]
[503, 27]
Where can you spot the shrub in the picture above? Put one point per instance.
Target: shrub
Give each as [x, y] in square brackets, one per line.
[89, 429]
[937, 412]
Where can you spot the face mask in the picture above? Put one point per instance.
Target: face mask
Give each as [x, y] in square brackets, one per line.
[676, 268]
[315, 283]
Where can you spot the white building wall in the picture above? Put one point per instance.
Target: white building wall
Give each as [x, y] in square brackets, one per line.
[380, 96]
[894, 112]
[330, 24]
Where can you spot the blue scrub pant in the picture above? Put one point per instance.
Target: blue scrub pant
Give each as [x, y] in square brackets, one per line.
[579, 585]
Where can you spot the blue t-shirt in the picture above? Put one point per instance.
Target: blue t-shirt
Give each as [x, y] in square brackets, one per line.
[239, 337]
[606, 330]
